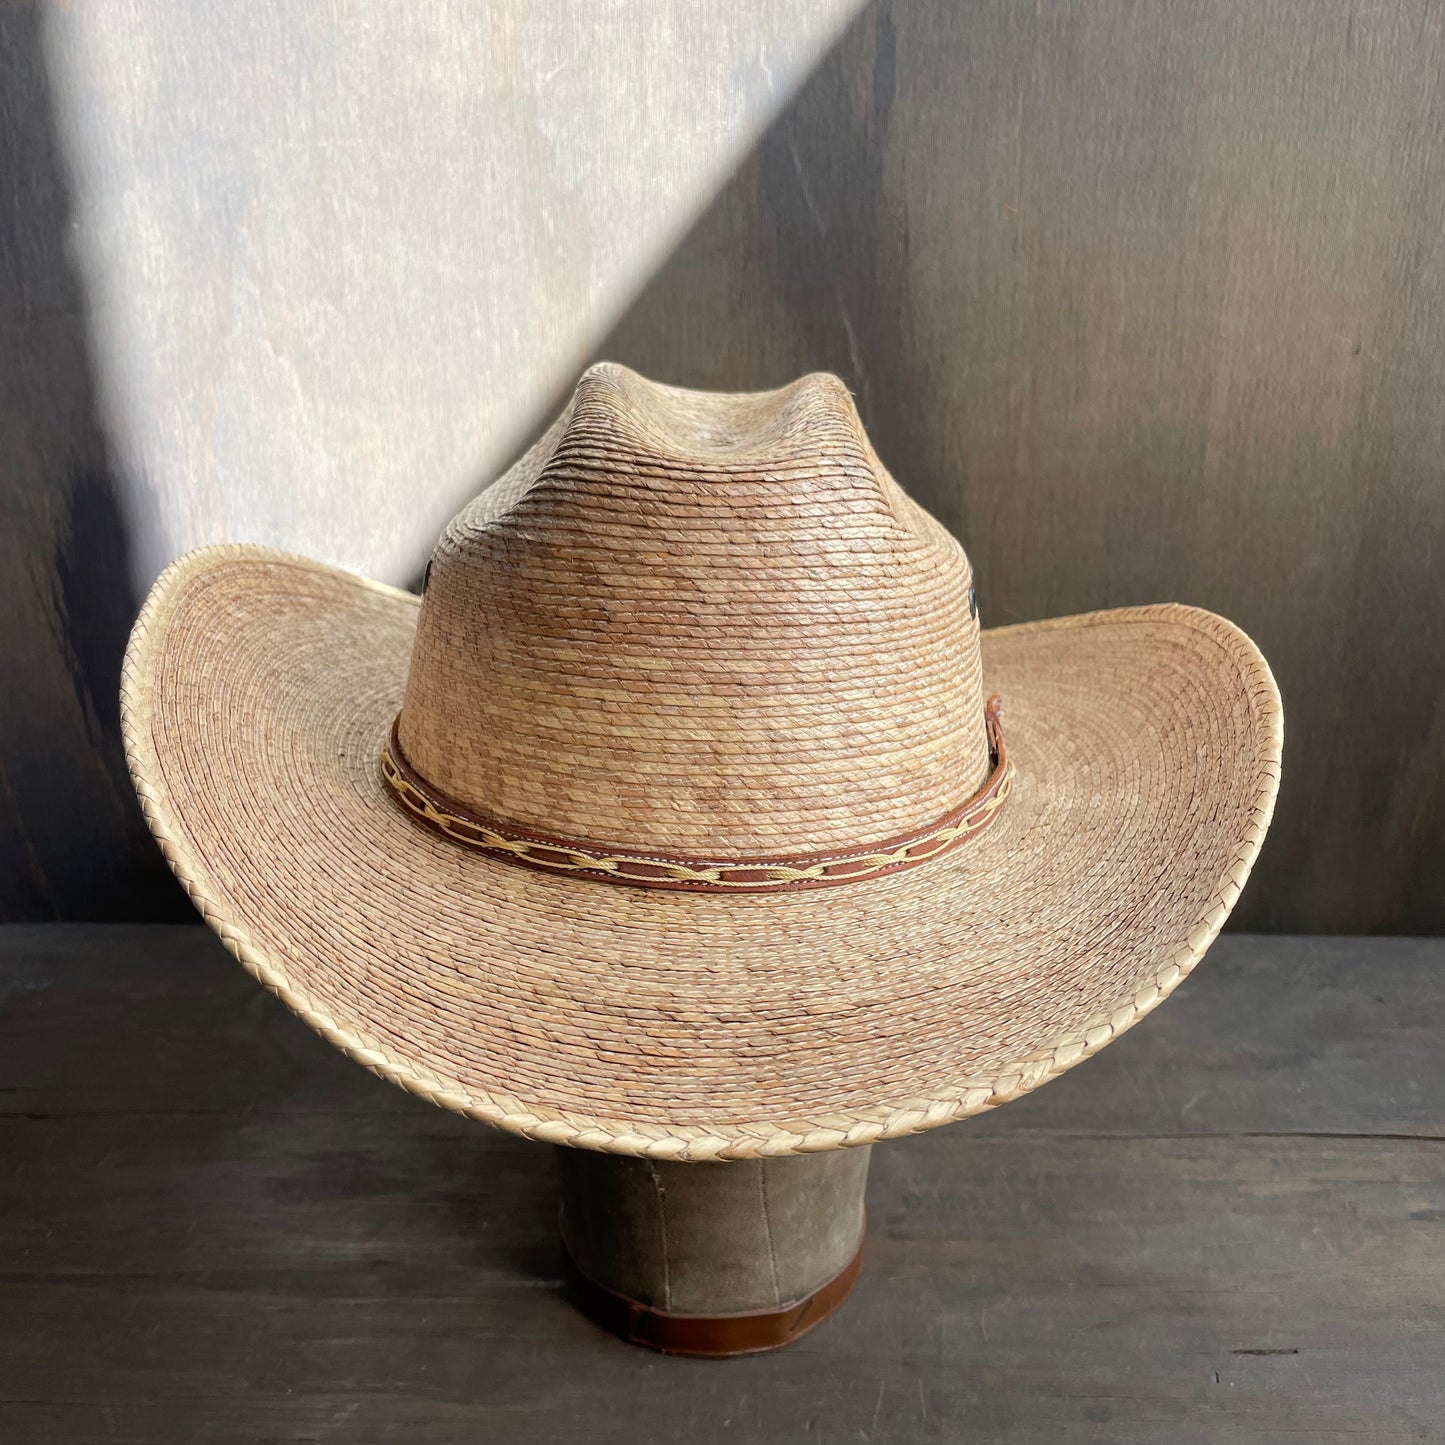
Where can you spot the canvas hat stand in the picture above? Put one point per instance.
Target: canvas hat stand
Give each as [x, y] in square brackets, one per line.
[689, 822]
[712, 1259]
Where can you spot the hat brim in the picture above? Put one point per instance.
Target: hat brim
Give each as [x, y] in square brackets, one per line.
[259, 688]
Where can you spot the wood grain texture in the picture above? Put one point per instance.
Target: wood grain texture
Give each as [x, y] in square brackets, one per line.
[301, 275]
[1223, 1229]
[1143, 301]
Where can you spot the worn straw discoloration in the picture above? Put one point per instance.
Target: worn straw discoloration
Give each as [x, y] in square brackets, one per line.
[259, 690]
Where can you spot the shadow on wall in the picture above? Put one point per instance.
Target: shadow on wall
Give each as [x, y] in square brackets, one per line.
[1139, 322]
[72, 841]
[1141, 304]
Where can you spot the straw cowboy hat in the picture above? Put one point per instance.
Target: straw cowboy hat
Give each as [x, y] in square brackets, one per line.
[674, 818]
[678, 821]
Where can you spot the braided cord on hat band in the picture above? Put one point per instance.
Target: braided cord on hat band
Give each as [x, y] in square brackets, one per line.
[652, 869]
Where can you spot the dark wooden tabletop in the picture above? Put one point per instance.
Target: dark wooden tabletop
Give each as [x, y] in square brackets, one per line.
[1229, 1227]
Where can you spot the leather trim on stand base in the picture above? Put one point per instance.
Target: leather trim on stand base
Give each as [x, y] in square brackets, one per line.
[714, 1336]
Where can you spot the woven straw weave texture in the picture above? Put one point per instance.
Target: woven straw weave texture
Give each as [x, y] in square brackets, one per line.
[595, 656]
[721, 622]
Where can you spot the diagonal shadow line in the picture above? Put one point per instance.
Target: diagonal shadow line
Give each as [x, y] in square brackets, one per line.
[783, 238]
[803, 262]
[796, 266]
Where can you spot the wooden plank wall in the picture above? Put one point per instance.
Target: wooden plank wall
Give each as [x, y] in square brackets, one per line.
[300, 275]
[1145, 301]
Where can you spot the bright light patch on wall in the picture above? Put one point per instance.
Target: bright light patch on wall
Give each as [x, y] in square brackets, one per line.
[339, 259]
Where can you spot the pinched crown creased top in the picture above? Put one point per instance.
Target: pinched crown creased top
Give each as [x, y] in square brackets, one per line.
[702, 623]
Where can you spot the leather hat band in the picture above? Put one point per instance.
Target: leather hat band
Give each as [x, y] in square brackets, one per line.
[652, 869]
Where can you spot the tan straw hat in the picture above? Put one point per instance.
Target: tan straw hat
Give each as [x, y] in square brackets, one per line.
[672, 819]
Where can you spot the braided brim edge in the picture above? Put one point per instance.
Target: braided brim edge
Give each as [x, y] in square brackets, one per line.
[971, 1096]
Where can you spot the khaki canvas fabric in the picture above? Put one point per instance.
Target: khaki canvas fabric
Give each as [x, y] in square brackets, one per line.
[713, 1239]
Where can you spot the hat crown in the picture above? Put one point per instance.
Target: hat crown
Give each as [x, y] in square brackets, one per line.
[699, 623]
